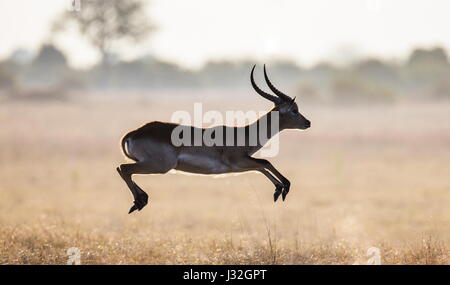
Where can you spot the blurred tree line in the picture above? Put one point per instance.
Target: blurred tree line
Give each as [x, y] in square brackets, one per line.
[109, 24]
[424, 74]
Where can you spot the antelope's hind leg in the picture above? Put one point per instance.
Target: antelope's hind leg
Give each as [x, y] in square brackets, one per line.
[127, 170]
[139, 195]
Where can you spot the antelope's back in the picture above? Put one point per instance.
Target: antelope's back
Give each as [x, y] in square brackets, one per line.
[155, 131]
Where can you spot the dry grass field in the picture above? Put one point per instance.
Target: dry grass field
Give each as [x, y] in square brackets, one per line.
[361, 177]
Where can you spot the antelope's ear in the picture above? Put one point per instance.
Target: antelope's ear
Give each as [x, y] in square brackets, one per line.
[291, 103]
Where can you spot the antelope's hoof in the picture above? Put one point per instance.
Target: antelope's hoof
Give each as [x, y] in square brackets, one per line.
[286, 189]
[143, 200]
[132, 209]
[283, 195]
[139, 203]
[137, 206]
[277, 194]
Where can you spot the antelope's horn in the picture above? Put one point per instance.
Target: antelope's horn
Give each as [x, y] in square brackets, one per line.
[280, 94]
[272, 98]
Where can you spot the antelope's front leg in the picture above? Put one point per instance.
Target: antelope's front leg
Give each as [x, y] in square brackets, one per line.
[274, 171]
[282, 185]
[278, 185]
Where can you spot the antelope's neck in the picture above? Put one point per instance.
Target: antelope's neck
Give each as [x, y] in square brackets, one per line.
[263, 129]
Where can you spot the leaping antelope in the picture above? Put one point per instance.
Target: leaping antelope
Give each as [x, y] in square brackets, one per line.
[152, 148]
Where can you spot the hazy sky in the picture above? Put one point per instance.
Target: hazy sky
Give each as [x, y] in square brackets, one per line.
[193, 31]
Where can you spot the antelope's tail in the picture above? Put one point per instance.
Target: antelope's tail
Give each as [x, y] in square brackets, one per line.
[124, 145]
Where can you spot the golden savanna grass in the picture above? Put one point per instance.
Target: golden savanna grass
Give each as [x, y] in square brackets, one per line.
[362, 176]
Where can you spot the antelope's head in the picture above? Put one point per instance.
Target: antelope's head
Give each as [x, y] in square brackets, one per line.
[290, 117]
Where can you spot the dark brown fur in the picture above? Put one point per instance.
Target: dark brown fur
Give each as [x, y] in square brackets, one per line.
[151, 147]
